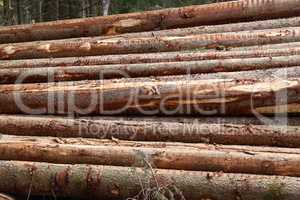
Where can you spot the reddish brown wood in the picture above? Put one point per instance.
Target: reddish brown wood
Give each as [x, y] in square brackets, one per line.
[100, 46]
[232, 11]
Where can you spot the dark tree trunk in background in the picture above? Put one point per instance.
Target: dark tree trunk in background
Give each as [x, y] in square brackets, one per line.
[49, 10]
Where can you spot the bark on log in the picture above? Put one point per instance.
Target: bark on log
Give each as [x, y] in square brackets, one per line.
[109, 182]
[146, 58]
[227, 12]
[97, 72]
[100, 46]
[198, 130]
[114, 142]
[244, 160]
[166, 95]
[268, 46]
[235, 27]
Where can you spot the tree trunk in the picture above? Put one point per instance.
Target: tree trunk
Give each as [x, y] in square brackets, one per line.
[147, 58]
[49, 10]
[96, 72]
[192, 94]
[245, 160]
[105, 7]
[109, 182]
[96, 46]
[222, 131]
[222, 28]
[228, 12]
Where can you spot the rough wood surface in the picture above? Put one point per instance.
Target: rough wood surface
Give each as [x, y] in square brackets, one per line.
[209, 130]
[146, 58]
[239, 93]
[100, 46]
[109, 182]
[232, 11]
[251, 160]
[96, 72]
[234, 27]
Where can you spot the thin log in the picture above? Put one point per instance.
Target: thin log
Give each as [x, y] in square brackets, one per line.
[146, 58]
[100, 46]
[235, 27]
[233, 11]
[250, 161]
[268, 46]
[109, 182]
[96, 72]
[114, 142]
[194, 131]
[166, 95]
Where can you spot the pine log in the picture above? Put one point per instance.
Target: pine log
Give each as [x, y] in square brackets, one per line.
[263, 93]
[114, 142]
[96, 72]
[233, 11]
[5, 197]
[244, 160]
[233, 132]
[235, 27]
[146, 58]
[268, 47]
[100, 46]
[110, 182]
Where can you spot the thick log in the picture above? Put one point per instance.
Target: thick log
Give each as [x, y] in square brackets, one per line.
[109, 182]
[244, 160]
[209, 130]
[100, 46]
[146, 58]
[96, 72]
[227, 12]
[233, 95]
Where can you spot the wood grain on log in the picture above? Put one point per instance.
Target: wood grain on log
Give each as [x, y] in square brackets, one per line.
[233, 93]
[100, 46]
[109, 182]
[219, 13]
[97, 72]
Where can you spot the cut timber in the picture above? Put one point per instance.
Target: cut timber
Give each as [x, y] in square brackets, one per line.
[114, 142]
[146, 58]
[233, 95]
[110, 182]
[235, 27]
[268, 47]
[148, 129]
[233, 11]
[100, 46]
[96, 72]
[252, 160]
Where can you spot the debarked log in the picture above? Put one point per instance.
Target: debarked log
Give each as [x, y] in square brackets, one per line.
[147, 129]
[233, 11]
[96, 72]
[110, 182]
[166, 95]
[100, 46]
[147, 58]
[252, 160]
[222, 28]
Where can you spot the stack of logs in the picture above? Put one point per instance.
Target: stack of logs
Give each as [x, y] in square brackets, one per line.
[191, 103]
